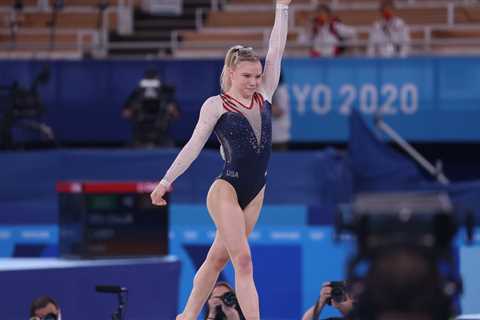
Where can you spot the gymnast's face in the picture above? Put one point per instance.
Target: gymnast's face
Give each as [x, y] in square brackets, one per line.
[246, 77]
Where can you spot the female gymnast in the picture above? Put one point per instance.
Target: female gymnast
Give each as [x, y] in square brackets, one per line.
[241, 119]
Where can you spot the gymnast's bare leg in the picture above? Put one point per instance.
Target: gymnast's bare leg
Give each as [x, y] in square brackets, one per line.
[218, 256]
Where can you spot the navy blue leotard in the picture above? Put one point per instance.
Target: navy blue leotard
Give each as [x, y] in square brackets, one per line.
[246, 159]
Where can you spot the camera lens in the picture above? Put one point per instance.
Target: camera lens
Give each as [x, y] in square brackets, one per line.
[50, 316]
[338, 294]
[229, 299]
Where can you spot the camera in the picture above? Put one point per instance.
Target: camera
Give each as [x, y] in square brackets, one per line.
[338, 292]
[25, 111]
[405, 260]
[229, 299]
[382, 220]
[151, 107]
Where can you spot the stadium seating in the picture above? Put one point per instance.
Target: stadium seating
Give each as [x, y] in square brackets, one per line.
[28, 32]
[441, 26]
[436, 27]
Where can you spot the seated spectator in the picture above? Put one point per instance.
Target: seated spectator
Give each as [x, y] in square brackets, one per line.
[44, 308]
[17, 17]
[389, 36]
[327, 34]
[337, 294]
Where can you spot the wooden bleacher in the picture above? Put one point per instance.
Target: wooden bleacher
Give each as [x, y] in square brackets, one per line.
[8, 3]
[362, 17]
[263, 2]
[222, 19]
[467, 15]
[365, 17]
[40, 39]
[76, 27]
[245, 38]
[67, 3]
[65, 20]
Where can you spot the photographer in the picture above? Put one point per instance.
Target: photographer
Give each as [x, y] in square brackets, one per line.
[405, 283]
[222, 304]
[334, 293]
[151, 107]
[404, 268]
[45, 308]
[25, 111]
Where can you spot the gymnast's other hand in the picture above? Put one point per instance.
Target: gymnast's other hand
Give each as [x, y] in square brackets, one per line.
[158, 194]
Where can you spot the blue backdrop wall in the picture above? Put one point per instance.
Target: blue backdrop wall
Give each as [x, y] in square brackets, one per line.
[433, 99]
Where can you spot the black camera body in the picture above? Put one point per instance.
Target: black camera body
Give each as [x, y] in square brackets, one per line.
[338, 292]
[51, 316]
[229, 299]
[416, 228]
[382, 220]
[150, 104]
[151, 114]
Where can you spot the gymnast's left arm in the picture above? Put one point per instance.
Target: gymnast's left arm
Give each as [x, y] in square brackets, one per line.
[278, 39]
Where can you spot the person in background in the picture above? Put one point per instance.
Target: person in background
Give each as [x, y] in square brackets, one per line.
[222, 304]
[45, 308]
[151, 108]
[280, 117]
[334, 293]
[407, 283]
[327, 34]
[389, 36]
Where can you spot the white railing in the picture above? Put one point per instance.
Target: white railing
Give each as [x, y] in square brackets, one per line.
[163, 6]
[174, 40]
[199, 18]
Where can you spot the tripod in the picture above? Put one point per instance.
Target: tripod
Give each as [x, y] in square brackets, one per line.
[119, 314]
[122, 294]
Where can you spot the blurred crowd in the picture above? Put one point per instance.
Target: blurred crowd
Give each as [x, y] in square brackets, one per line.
[328, 36]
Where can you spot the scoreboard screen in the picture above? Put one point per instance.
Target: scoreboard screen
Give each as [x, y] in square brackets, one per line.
[111, 219]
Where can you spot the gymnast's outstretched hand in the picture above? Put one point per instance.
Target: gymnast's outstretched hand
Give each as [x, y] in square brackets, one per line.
[158, 194]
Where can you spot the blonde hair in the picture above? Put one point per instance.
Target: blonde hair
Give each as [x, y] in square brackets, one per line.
[234, 56]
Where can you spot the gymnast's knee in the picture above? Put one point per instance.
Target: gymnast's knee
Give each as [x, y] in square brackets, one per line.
[217, 262]
[243, 264]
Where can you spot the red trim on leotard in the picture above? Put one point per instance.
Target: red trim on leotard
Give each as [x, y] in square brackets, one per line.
[259, 99]
[238, 102]
[235, 104]
[229, 106]
[230, 109]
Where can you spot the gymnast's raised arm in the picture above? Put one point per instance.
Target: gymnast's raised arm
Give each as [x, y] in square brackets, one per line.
[278, 39]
